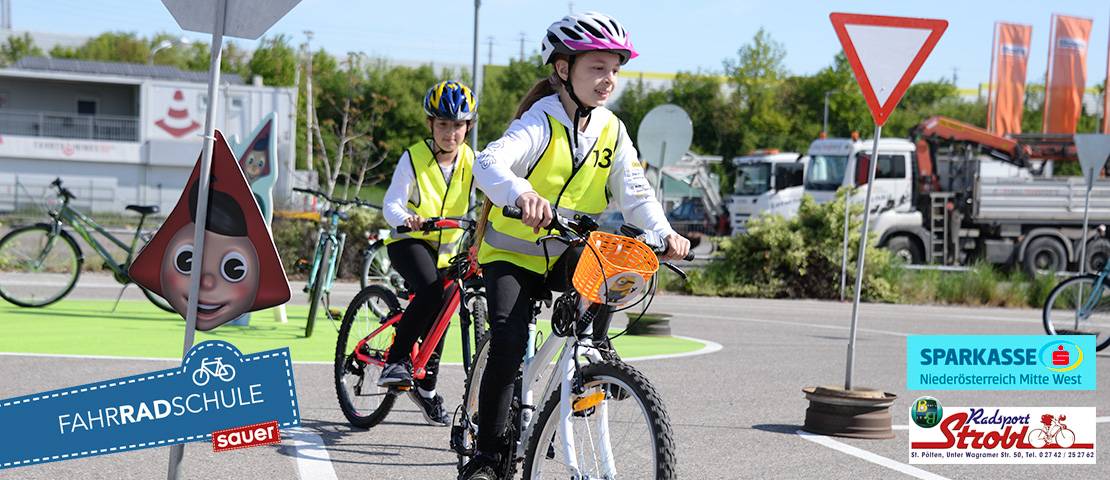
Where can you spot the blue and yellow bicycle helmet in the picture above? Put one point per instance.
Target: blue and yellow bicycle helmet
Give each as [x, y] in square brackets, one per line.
[452, 101]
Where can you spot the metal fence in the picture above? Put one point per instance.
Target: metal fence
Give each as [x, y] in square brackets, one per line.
[64, 125]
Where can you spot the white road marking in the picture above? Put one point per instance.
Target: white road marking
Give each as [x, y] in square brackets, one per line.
[870, 457]
[313, 461]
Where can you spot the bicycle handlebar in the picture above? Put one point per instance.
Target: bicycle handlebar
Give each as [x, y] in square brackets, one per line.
[586, 224]
[357, 201]
[63, 191]
[440, 223]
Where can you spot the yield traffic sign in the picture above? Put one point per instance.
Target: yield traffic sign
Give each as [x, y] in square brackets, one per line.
[885, 54]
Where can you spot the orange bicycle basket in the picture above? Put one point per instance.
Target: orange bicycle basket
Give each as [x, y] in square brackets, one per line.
[613, 269]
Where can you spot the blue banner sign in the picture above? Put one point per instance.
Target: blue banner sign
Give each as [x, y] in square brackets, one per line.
[1000, 362]
[216, 388]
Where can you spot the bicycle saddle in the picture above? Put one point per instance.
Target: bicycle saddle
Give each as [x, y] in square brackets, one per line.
[143, 209]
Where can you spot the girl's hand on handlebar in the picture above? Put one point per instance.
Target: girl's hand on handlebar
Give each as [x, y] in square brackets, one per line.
[415, 223]
[536, 210]
[677, 247]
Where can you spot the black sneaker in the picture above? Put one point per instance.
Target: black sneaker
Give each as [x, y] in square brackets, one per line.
[432, 408]
[396, 375]
[481, 467]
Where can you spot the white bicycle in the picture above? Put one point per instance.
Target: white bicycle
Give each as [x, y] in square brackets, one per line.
[599, 418]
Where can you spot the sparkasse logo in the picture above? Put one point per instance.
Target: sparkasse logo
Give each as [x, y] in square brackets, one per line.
[1000, 362]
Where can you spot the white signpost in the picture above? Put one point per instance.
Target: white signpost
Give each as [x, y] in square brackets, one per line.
[237, 18]
[885, 54]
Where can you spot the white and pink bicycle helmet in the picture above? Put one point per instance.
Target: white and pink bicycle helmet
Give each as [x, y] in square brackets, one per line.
[582, 32]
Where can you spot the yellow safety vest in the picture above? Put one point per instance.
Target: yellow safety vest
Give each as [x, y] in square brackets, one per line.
[431, 196]
[572, 189]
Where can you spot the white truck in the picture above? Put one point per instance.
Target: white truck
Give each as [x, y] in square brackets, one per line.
[957, 193]
[767, 182]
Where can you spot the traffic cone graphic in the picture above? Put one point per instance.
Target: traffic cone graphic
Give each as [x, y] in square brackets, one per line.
[177, 122]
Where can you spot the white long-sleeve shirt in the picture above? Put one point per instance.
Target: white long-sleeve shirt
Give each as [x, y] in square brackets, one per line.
[395, 202]
[499, 170]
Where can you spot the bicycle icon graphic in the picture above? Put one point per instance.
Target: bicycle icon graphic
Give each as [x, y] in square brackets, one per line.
[1053, 431]
[213, 367]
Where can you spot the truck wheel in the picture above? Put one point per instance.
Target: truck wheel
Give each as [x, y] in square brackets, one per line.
[1045, 255]
[907, 249]
[1098, 253]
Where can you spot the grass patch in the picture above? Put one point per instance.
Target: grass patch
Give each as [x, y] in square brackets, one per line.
[139, 329]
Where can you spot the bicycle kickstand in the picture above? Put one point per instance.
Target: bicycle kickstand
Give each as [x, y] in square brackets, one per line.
[120, 297]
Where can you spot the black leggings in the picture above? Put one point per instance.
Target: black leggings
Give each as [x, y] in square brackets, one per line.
[416, 262]
[509, 291]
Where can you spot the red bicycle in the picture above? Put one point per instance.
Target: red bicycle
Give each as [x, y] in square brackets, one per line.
[369, 328]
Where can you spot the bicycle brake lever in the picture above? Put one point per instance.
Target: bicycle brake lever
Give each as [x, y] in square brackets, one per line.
[675, 269]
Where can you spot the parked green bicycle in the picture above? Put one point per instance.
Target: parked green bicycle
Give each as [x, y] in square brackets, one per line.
[40, 263]
[325, 262]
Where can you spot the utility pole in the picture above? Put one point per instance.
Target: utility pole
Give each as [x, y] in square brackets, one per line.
[6, 11]
[522, 46]
[477, 85]
[954, 69]
[308, 102]
[490, 60]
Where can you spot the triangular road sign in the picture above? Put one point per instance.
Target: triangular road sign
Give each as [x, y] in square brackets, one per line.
[1093, 150]
[885, 54]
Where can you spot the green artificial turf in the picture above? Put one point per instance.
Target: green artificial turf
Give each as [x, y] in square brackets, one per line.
[139, 329]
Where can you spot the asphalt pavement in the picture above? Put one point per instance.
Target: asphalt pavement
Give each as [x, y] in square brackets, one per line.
[736, 412]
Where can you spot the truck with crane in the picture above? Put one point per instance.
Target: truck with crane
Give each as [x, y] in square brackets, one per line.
[954, 192]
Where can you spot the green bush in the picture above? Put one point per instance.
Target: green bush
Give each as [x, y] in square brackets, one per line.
[799, 257]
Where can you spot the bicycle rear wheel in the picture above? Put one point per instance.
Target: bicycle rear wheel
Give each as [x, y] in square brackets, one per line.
[619, 425]
[37, 267]
[316, 292]
[1065, 312]
[364, 403]
[376, 266]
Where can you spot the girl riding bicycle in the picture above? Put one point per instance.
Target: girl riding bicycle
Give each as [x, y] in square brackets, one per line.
[433, 179]
[547, 159]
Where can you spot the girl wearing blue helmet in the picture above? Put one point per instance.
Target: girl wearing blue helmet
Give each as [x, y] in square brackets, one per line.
[434, 178]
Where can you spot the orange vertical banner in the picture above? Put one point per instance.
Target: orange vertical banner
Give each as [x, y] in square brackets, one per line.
[1067, 73]
[1106, 96]
[1009, 58]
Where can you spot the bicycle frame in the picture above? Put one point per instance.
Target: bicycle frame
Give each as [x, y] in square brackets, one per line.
[330, 233]
[439, 328]
[77, 221]
[535, 366]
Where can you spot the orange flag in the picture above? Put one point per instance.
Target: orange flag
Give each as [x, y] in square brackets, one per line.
[1067, 73]
[1008, 66]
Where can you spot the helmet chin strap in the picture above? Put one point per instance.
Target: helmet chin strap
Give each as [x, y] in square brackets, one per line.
[582, 111]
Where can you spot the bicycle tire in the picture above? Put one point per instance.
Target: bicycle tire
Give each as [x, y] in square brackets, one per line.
[28, 281]
[1060, 310]
[354, 379]
[464, 432]
[317, 290]
[479, 313]
[376, 265]
[642, 448]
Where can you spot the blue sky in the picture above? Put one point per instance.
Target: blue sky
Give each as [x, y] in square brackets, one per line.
[670, 36]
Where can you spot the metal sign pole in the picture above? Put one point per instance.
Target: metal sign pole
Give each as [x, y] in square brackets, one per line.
[862, 252]
[177, 452]
[844, 259]
[1086, 221]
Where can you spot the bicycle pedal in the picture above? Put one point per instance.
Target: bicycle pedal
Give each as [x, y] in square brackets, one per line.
[303, 264]
[334, 314]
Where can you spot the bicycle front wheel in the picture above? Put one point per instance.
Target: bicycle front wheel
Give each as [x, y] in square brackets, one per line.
[619, 429]
[364, 403]
[1075, 308]
[38, 267]
[316, 290]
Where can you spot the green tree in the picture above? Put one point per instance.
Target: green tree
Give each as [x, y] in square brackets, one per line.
[18, 47]
[109, 47]
[636, 100]
[502, 91]
[274, 60]
[756, 76]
